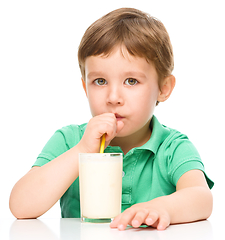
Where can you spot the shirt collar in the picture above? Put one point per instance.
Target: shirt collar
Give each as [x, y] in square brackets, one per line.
[159, 134]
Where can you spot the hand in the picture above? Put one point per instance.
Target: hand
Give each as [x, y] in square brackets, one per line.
[97, 126]
[151, 213]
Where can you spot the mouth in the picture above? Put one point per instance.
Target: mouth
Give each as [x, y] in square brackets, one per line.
[118, 117]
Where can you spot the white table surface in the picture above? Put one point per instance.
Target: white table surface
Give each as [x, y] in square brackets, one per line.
[72, 228]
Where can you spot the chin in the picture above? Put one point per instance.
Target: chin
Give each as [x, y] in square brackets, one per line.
[123, 133]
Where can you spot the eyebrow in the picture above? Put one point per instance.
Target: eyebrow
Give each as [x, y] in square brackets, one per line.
[130, 74]
[94, 74]
[134, 73]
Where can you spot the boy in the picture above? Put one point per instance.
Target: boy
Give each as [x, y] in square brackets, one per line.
[126, 61]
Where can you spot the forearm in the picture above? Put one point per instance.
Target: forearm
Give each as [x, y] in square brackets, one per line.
[42, 187]
[191, 202]
[188, 204]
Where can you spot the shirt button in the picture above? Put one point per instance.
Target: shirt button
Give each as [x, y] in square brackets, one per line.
[123, 173]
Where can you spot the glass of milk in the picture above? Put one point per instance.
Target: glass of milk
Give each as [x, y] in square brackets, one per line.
[100, 179]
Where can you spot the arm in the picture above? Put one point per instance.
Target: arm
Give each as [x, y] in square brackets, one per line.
[42, 187]
[192, 201]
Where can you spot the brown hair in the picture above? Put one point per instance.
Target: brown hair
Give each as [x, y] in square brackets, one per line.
[141, 34]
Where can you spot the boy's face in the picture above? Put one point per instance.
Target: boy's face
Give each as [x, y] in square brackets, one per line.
[124, 85]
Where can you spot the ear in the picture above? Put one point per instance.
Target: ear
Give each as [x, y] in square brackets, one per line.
[166, 88]
[84, 86]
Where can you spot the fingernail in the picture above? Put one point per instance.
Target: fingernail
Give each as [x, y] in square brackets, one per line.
[111, 225]
[149, 221]
[160, 227]
[135, 223]
[121, 227]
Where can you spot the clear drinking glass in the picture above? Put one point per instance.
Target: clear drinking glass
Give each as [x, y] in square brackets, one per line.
[100, 179]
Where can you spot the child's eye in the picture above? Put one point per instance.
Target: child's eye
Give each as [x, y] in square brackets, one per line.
[131, 81]
[100, 81]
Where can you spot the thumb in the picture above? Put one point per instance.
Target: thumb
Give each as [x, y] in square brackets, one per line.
[120, 126]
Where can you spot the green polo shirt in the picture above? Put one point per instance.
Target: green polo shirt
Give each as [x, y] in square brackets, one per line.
[150, 171]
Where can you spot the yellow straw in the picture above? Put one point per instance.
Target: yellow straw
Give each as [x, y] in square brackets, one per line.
[102, 144]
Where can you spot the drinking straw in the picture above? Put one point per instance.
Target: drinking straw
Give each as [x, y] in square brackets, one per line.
[102, 144]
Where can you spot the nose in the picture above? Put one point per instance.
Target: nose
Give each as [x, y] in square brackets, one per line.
[115, 96]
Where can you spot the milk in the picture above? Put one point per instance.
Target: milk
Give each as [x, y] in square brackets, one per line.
[100, 177]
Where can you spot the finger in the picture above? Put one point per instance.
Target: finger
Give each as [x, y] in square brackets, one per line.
[115, 221]
[105, 123]
[96, 127]
[164, 222]
[152, 218]
[139, 218]
[109, 126]
[125, 218]
[120, 126]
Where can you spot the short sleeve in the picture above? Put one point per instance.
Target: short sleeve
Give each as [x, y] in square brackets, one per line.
[61, 141]
[183, 157]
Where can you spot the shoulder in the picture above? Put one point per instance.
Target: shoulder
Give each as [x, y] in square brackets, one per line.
[61, 141]
[71, 133]
[73, 129]
[180, 145]
[165, 140]
[180, 155]
[177, 155]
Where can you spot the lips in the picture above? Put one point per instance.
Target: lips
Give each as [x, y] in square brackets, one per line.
[118, 117]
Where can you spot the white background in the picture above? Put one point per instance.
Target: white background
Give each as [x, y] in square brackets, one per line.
[41, 91]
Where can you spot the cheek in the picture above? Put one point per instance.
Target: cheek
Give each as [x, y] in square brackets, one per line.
[145, 104]
[93, 107]
[95, 103]
[147, 97]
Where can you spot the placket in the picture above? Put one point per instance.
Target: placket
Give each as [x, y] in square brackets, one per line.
[129, 165]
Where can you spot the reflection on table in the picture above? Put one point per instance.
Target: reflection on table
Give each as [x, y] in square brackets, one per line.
[72, 228]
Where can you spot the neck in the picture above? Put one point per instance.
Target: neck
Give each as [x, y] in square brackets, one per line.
[136, 139]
